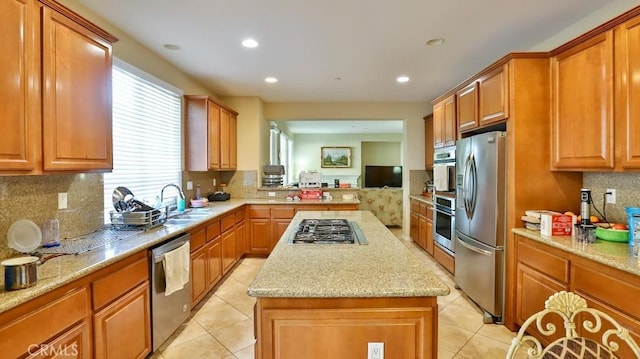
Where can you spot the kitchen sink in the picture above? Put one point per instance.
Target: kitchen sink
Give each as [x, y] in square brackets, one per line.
[190, 216]
[179, 221]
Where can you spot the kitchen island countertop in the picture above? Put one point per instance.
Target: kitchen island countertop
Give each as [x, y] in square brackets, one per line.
[382, 268]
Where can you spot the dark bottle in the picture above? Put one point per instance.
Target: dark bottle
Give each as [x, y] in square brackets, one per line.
[336, 183]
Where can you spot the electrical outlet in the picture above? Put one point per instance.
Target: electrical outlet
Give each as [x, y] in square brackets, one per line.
[214, 182]
[189, 185]
[375, 351]
[62, 200]
[271, 194]
[611, 195]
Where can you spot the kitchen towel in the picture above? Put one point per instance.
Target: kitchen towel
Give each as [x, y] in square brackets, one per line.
[441, 175]
[176, 269]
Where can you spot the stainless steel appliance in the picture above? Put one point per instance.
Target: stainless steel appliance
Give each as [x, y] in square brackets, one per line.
[444, 227]
[480, 221]
[327, 231]
[444, 169]
[167, 311]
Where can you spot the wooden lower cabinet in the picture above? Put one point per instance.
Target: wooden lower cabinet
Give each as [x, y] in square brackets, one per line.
[445, 259]
[198, 275]
[74, 343]
[260, 236]
[213, 258]
[318, 328]
[543, 270]
[228, 242]
[241, 235]
[123, 328]
[421, 225]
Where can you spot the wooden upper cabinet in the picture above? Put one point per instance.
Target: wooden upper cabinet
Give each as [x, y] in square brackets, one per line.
[19, 79]
[493, 96]
[212, 126]
[444, 122]
[55, 80]
[582, 105]
[76, 96]
[627, 50]
[428, 142]
[467, 108]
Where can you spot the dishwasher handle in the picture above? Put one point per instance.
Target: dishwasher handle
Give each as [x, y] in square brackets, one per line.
[168, 246]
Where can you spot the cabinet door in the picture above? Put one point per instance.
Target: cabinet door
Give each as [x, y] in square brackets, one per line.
[279, 227]
[438, 125]
[225, 133]
[74, 343]
[233, 141]
[213, 139]
[228, 250]
[428, 142]
[422, 232]
[414, 221]
[214, 263]
[19, 80]
[260, 235]
[76, 114]
[123, 329]
[241, 230]
[582, 105]
[628, 93]
[532, 290]
[450, 125]
[198, 275]
[468, 107]
[428, 241]
[493, 96]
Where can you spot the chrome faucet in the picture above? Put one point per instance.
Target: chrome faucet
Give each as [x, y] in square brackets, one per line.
[180, 194]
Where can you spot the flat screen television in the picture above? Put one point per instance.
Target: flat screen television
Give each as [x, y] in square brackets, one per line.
[381, 176]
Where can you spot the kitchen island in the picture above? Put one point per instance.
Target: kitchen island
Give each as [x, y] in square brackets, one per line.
[331, 300]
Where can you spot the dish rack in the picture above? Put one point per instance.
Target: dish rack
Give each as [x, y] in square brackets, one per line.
[147, 219]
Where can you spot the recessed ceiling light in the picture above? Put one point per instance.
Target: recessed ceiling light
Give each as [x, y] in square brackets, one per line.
[171, 46]
[270, 80]
[250, 43]
[435, 42]
[402, 79]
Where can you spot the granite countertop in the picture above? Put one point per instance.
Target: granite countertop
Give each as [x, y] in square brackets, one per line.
[59, 271]
[382, 268]
[613, 254]
[421, 198]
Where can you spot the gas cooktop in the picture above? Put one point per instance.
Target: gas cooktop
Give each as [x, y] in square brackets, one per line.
[327, 231]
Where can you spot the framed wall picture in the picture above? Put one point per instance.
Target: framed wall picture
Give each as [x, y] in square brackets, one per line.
[335, 157]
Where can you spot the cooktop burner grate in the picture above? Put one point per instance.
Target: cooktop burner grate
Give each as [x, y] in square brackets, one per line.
[327, 231]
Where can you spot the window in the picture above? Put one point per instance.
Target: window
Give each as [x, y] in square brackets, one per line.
[147, 151]
[281, 152]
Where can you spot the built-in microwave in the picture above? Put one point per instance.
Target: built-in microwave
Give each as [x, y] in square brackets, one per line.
[444, 169]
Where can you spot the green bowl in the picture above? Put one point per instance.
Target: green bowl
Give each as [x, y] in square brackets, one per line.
[613, 235]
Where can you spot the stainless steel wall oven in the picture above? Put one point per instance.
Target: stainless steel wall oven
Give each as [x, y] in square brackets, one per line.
[444, 226]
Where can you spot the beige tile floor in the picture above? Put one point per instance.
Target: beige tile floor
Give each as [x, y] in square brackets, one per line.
[222, 325]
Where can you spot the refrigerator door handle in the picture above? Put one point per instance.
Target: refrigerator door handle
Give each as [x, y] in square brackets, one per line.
[474, 188]
[472, 248]
[465, 186]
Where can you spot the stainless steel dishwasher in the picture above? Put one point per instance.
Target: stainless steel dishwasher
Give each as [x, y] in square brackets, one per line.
[167, 311]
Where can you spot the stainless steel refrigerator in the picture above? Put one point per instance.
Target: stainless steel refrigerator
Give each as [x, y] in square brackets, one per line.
[480, 220]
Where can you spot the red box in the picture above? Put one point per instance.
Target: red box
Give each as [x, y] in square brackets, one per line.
[311, 194]
[556, 224]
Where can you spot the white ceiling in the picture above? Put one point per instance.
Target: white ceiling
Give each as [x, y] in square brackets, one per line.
[307, 44]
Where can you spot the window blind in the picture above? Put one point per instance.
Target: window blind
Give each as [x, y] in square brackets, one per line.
[147, 151]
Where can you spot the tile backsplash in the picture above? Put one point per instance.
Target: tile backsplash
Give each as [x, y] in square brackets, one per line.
[36, 198]
[627, 186]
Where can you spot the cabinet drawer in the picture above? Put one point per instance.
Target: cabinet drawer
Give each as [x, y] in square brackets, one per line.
[259, 212]
[228, 222]
[423, 209]
[42, 324]
[282, 212]
[197, 238]
[112, 286]
[213, 230]
[414, 206]
[241, 214]
[542, 260]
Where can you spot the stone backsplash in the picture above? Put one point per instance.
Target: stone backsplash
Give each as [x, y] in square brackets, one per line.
[36, 198]
[627, 186]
